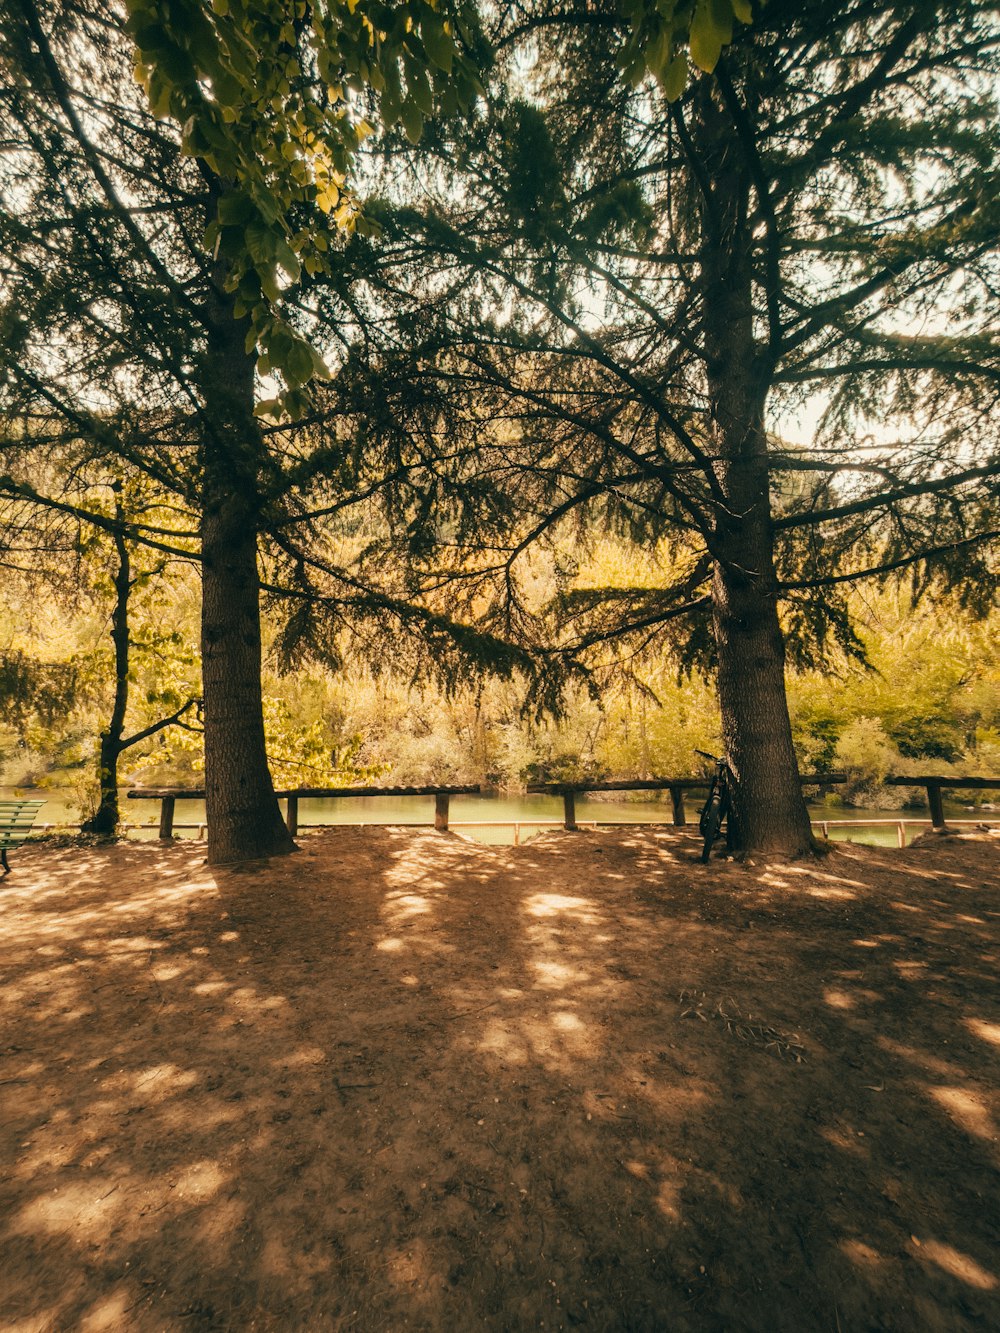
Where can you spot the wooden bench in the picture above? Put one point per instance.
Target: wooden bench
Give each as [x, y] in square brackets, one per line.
[16, 819]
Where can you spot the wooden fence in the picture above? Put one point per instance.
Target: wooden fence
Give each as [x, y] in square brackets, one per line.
[569, 791]
[934, 783]
[169, 796]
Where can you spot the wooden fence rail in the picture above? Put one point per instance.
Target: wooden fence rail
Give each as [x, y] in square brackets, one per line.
[169, 796]
[569, 791]
[933, 783]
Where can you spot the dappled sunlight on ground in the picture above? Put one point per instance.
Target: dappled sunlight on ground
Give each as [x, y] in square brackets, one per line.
[958, 1265]
[402, 1079]
[988, 1031]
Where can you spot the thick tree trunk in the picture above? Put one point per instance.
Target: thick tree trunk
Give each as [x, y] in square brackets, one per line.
[768, 813]
[105, 818]
[242, 812]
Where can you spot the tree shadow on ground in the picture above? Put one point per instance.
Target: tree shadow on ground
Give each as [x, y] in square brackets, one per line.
[406, 1080]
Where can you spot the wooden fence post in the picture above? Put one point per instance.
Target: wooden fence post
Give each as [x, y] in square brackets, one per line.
[569, 807]
[677, 797]
[167, 818]
[441, 802]
[292, 815]
[937, 808]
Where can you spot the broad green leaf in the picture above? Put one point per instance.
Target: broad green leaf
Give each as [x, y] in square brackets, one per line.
[722, 17]
[320, 369]
[675, 77]
[659, 53]
[450, 101]
[261, 243]
[287, 258]
[635, 70]
[438, 45]
[413, 121]
[707, 37]
[268, 275]
[236, 208]
[279, 342]
[268, 407]
[298, 366]
[419, 88]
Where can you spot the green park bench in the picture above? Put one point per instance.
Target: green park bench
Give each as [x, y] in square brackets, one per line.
[16, 819]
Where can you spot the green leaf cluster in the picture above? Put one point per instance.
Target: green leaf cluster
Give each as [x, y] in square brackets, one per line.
[666, 36]
[268, 96]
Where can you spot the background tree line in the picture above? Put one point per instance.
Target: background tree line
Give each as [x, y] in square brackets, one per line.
[930, 701]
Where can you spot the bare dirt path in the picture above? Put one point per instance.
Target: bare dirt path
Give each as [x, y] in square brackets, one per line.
[405, 1081]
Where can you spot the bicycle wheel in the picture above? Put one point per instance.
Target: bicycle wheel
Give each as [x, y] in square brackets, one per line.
[710, 800]
[710, 824]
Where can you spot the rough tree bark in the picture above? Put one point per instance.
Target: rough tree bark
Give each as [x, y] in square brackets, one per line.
[769, 812]
[242, 812]
[105, 818]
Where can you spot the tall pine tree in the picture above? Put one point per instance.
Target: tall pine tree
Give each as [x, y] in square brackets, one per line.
[638, 282]
[121, 333]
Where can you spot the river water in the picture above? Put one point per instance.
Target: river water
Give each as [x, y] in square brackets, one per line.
[469, 814]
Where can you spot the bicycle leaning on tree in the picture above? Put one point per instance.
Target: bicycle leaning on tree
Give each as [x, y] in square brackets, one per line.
[716, 808]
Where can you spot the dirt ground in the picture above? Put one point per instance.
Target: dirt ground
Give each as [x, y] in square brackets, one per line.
[402, 1080]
